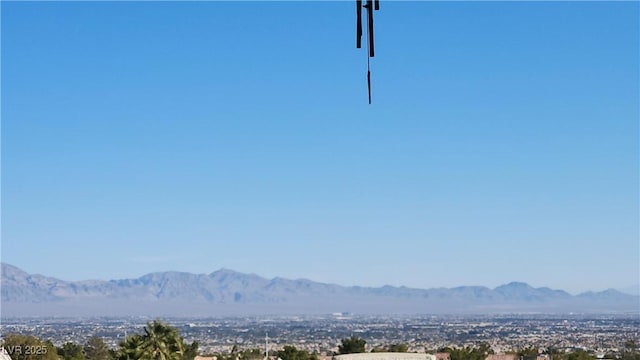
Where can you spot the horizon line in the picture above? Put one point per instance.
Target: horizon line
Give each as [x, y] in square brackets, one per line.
[327, 283]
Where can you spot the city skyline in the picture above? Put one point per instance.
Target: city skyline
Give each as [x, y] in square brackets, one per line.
[501, 145]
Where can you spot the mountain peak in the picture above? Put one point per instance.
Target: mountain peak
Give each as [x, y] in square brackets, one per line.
[227, 292]
[10, 270]
[516, 285]
[223, 271]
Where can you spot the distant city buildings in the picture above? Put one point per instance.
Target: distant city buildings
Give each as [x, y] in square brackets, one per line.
[321, 335]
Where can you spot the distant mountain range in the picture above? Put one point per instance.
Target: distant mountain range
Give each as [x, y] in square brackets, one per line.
[229, 293]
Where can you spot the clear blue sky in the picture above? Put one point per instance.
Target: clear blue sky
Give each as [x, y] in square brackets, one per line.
[502, 144]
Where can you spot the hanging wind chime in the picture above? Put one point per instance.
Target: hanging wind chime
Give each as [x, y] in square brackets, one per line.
[370, 5]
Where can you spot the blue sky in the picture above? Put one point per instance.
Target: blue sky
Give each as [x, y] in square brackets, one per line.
[502, 144]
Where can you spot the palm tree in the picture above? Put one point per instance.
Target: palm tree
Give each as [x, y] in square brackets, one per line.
[96, 349]
[162, 342]
[131, 348]
[159, 342]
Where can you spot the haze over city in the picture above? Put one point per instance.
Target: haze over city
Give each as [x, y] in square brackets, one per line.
[501, 145]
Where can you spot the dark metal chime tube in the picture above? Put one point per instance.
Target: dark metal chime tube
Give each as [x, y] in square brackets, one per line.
[370, 5]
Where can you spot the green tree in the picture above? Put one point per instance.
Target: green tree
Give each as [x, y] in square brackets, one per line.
[252, 354]
[96, 349]
[71, 351]
[554, 353]
[479, 352]
[459, 354]
[484, 349]
[27, 347]
[163, 342]
[527, 353]
[398, 348]
[630, 351]
[131, 348]
[291, 353]
[580, 355]
[159, 342]
[191, 351]
[352, 345]
[392, 348]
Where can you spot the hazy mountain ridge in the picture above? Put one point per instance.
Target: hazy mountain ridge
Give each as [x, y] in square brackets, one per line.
[225, 291]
